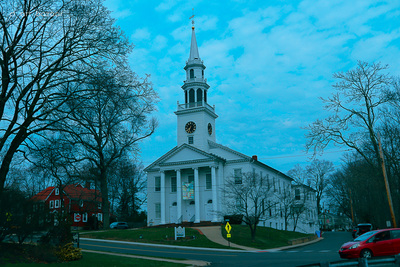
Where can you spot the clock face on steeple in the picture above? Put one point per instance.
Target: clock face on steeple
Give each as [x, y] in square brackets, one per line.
[190, 127]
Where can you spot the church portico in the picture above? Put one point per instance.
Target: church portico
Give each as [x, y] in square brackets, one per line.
[187, 194]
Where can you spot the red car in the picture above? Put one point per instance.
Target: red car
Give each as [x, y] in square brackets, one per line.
[383, 242]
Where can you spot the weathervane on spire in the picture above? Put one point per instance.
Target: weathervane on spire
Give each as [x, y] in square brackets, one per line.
[192, 18]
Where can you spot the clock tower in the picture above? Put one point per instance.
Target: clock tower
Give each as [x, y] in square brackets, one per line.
[196, 118]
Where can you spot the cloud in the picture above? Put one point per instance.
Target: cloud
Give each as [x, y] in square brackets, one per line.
[141, 34]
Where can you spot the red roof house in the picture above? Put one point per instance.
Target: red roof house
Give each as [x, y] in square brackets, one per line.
[79, 202]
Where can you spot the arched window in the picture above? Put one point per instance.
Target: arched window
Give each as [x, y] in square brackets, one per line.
[191, 73]
[191, 96]
[209, 201]
[199, 95]
[205, 96]
[174, 204]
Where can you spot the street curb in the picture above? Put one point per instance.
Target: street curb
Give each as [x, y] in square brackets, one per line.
[189, 262]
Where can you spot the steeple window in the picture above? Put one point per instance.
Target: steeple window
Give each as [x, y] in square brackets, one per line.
[191, 96]
[186, 97]
[199, 96]
[205, 96]
[191, 73]
[202, 74]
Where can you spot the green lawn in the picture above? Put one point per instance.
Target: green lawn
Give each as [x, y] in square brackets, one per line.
[156, 236]
[100, 260]
[266, 237]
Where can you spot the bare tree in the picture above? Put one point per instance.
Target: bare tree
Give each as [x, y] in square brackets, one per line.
[319, 172]
[108, 121]
[250, 195]
[46, 46]
[360, 94]
[299, 174]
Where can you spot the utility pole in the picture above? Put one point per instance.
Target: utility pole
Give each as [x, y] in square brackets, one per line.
[389, 196]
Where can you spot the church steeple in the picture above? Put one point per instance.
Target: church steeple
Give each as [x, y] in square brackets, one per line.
[196, 118]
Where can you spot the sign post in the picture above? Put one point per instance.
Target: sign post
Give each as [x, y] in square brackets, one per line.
[228, 228]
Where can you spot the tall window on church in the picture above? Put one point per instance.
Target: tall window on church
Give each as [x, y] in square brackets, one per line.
[237, 173]
[191, 73]
[173, 184]
[208, 181]
[157, 183]
[158, 210]
[190, 140]
[205, 96]
[190, 178]
[297, 194]
[191, 96]
[199, 95]
[186, 97]
[202, 74]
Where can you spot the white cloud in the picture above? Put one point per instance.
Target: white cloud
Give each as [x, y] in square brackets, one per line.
[141, 34]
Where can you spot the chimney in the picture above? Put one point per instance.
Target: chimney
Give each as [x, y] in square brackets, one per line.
[254, 157]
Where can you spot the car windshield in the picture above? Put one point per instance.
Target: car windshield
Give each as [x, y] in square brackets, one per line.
[365, 236]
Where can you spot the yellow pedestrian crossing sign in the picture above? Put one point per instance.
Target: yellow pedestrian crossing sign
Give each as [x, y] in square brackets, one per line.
[228, 227]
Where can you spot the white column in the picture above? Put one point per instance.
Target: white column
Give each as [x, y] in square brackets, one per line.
[179, 195]
[162, 198]
[196, 195]
[214, 194]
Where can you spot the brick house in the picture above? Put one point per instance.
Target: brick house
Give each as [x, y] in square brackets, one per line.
[79, 202]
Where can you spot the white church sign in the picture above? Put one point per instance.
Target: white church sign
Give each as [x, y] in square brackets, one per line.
[179, 232]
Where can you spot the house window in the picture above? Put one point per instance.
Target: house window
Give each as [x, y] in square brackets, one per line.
[173, 184]
[84, 217]
[297, 194]
[51, 204]
[99, 206]
[190, 140]
[81, 203]
[157, 183]
[57, 203]
[100, 217]
[158, 210]
[238, 176]
[57, 191]
[208, 181]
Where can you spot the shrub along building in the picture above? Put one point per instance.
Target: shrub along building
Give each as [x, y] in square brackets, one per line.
[185, 184]
[82, 205]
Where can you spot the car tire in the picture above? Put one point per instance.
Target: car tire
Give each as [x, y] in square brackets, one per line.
[366, 253]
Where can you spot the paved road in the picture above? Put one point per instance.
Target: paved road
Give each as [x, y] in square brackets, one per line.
[325, 250]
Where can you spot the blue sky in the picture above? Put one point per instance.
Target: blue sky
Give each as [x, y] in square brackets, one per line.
[268, 62]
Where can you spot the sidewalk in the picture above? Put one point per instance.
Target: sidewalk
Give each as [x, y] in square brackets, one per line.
[213, 233]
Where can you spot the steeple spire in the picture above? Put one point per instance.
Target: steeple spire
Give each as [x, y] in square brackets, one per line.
[194, 51]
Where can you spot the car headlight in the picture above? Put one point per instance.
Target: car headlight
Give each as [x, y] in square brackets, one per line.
[354, 246]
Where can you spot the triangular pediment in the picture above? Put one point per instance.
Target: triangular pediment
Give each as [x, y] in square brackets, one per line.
[183, 154]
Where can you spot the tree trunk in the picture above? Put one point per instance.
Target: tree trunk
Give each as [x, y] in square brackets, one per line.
[104, 196]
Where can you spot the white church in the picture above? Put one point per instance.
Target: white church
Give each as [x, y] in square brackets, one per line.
[185, 184]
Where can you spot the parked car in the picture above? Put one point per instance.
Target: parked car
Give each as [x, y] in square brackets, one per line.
[383, 242]
[119, 225]
[360, 229]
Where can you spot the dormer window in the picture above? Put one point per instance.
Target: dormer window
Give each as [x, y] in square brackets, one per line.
[191, 73]
[57, 191]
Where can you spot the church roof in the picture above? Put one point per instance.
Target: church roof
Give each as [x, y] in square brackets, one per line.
[246, 158]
